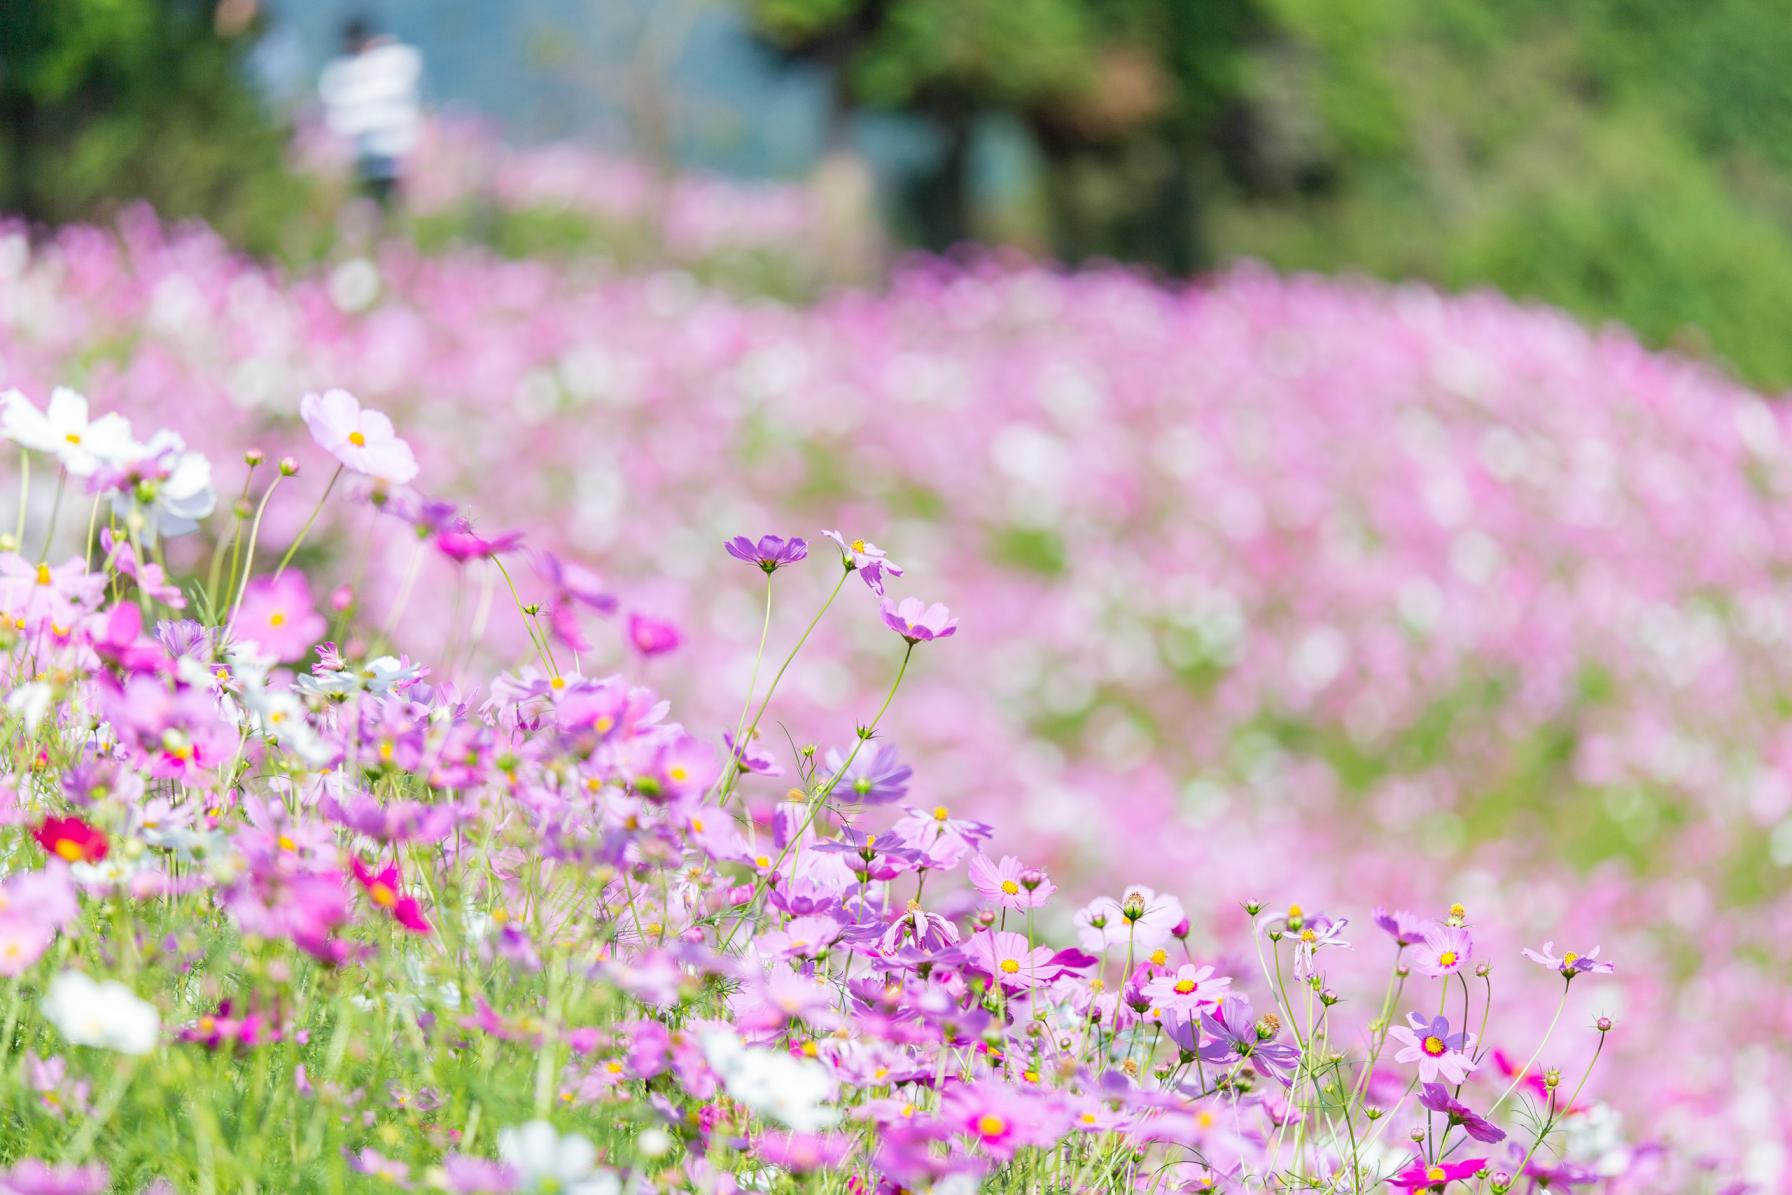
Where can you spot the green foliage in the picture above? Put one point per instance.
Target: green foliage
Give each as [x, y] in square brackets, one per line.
[105, 101]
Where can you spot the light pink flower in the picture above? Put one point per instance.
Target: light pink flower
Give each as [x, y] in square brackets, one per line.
[359, 437]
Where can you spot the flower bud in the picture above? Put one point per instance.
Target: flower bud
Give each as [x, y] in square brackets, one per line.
[253, 457]
[1328, 996]
[1552, 1078]
[1603, 1024]
[288, 466]
[1253, 907]
[1031, 878]
[1134, 907]
[1483, 970]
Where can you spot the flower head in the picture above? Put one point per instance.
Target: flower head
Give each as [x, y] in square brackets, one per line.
[771, 553]
[867, 560]
[1437, 1097]
[106, 1014]
[1569, 963]
[1446, 950]
[277, 613]
[1423, 1176]
[63, 430]
[71, 840]
[1006, 885]
[652, 636]
[918, 622]
[1434, 1048]
[361, 438]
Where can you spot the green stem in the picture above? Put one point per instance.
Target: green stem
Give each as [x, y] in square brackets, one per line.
[306, 529]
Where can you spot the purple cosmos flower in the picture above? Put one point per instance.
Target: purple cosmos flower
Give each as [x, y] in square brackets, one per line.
[1405, 928]
[918, 622]
[1005, 885]
[1446, 950]
[1434, 1048]
[1569, 964]
[460, 543]
[1234, 1034]
[877, 776]
[867, 559]
[771, 553]
[1436, 1097]
[750, 758]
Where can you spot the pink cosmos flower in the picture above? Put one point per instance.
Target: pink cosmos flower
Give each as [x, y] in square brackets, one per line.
[1421, 1176]
[1446, 950]
[1005, 885]
[32, 1177]
[1003, 1118]
[919, 622]
[23, 940]
[1190, 989]
[361, 438]
[1006, 958]
[867, 559]
[277, 613]
[1434, 1048]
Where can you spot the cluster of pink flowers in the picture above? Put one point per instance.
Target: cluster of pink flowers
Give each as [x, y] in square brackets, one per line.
[1299, 585]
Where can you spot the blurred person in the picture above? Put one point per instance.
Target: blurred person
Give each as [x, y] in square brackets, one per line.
[372, 100]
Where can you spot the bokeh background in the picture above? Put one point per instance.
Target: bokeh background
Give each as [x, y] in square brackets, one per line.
[1352, 435]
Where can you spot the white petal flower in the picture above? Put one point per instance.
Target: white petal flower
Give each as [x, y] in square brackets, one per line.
[105, 1014]
[546, 1161]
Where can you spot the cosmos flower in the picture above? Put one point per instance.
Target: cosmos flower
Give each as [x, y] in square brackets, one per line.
[361, 438]
[1187, 990]
[876, 775]
[771, 553]
[105, 1014]
[1404, 927]
[1235, 1035]
[918, 622]
[71, 840]
[1008, 884]
[545, 1161]
[160, 490]
[385, 889]
[1570, 964]
[867, 560]
[652, 636]
[1437, 1097]
[1446, 950]
[277, 614]
[1423, 1175]
[63, 430]
[1434, 1048]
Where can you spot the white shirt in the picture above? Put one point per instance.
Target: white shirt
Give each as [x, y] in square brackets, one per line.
[371, 99]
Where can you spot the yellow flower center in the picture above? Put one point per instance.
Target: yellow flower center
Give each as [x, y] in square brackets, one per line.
[68, 850]
[615, 1068]
[1307, 935]
[762, 861]
[939, 813]
[1159, 957]
[991, 1126]
[43, 574]
[287, 844]
[1435, 1174]
[559, 682]
[1447, 959]
[1185, 987]
[1010, 887]
[383, 895]
[1568, 959]
[697, 824]
[858, 545]
[277, 618]
[1009, 966]
[679, 774]
[1433, 1045]
[73, 437]
[357, 439]
[1294, 911]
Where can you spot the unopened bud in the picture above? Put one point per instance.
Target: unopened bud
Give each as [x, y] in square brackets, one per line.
[1253, 907]
[253, 457]
[1328, 996]
[1603, 1024]
[1483, 970]
[1552, 1078]
[288, 466]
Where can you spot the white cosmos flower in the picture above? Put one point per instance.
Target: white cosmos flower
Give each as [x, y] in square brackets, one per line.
[791, 1091]
[105, 1014]
[64, 431]
[545, 1161]
[164, 489]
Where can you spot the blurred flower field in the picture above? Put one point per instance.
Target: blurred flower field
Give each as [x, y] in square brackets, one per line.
[1269, 592]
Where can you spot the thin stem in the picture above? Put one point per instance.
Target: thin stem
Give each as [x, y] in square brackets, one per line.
[55, 512]
[306, 529]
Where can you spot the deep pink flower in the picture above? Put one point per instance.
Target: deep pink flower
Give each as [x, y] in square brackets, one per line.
[1422, 1176]
[652, 636]
[385, 889]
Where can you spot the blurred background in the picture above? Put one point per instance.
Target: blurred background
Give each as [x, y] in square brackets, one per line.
[1623, 159]
[1348, 432]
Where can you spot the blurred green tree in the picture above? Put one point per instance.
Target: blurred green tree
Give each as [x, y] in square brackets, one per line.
[1625, 159]
[104, 101]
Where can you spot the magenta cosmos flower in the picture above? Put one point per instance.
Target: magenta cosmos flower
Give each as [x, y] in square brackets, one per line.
[771, 553]
[361, 438]
[918, 622]
[1422, 1177]
[1434, 1048]
[277, 613]
[652, 636]
[385, 889]
[1008, 885]
[1569, 964]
